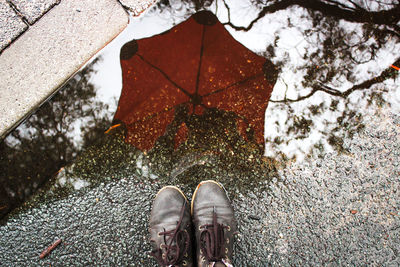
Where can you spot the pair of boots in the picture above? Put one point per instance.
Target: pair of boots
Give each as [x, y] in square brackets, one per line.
[172, 223]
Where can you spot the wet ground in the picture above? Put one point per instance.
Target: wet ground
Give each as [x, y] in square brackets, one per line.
[324, 191]
[338, 209]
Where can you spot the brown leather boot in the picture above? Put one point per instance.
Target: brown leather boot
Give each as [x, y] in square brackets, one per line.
[170, 228]
[214, 223]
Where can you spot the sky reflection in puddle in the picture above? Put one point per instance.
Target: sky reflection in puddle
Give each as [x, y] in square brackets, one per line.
[332, 73]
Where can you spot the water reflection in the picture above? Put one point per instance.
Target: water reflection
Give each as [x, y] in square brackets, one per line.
[337, 63]
[335, 71]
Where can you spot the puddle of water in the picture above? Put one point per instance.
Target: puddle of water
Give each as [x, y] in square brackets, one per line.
[331, 73]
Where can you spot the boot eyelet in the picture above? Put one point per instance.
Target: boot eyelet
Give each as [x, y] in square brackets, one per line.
[184, 263]
[162, 246]
[200, 228]
[226, 250]
[229, 228]
[163, 256]
[227, 240]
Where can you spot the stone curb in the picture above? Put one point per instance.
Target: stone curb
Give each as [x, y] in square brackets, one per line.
[46, 55]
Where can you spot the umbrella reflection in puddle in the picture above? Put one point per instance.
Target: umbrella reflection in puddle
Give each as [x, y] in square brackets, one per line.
[194, 81]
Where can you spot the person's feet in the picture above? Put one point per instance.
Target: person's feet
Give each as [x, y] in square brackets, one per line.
[214, 223]
[170, 228]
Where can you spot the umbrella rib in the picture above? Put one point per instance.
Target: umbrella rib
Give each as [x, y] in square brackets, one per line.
[200, 61]
[165, 75]
[233, 84]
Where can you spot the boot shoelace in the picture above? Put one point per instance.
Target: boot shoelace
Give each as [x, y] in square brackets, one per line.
[212, 240]
[174, 241]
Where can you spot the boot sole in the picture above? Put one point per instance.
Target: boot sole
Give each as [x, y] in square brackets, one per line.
[198, 186]
[173, 187]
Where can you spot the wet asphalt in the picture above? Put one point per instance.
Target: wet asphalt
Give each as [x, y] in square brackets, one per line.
[339, 209]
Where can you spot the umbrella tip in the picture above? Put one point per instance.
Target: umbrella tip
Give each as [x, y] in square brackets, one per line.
[205, 17]
[128, 50]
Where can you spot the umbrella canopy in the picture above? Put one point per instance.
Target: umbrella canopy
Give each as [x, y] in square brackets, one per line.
[198, 64]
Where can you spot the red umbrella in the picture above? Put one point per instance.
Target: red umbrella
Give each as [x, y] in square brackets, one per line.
[197, 63]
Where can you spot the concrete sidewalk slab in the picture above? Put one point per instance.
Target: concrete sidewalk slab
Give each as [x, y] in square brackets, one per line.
[51, 51]
[11, 25]
[33, 9]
